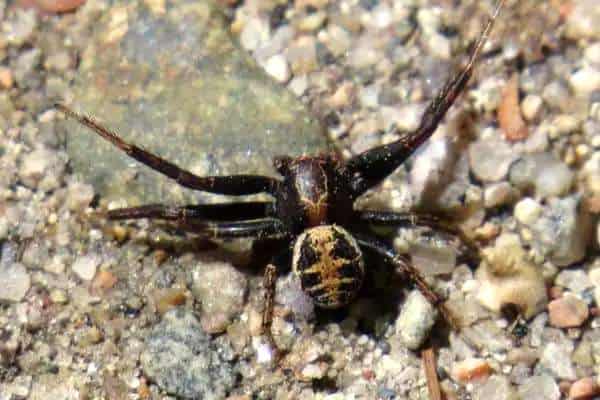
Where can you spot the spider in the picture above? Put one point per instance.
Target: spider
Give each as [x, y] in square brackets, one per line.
[312, 205]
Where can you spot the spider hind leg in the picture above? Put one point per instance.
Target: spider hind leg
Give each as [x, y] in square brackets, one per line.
[469, 249]
[403, 265]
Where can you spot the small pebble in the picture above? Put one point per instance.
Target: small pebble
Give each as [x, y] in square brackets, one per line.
[104, 280]
[19, 30]
[37, 165]
[302, 55]
[506, 276]
[15, 282]
[531, 107]
[339, 40]
[298, 85]
[85, 266]
[59, 6]
[470, 370]
[562, 232]
[555, 93]
[540, 387]
[264, 353]
[6, 78]
[528, 211]
[577, 281]
[545, 173]
[582, 22]
[438, 46]
[498, 194]
[254, 33]
[585, 81]
[58, 296]
[416, 320]
[313, 371]
[168, 298]
[221, 290]
[278, 68]
[312, 22]
[584, 389]
[592, 54]
[497, 387]
[509, 114]
[556, 359]
[490, 159]
[567, 312]
[79, 196]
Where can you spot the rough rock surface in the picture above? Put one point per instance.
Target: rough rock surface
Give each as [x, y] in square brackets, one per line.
[192, 96]
[184, 361]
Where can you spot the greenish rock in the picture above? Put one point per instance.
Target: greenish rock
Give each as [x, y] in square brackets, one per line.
[174, 82]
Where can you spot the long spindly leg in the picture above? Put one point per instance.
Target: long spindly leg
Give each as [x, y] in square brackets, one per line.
[436, 224]
[194, 219]
[212, 212]
[228, 185]
[372, 166]
[403, 265]
[269, 282]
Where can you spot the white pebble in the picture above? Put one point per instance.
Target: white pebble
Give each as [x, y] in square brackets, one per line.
[85, 266]
[582, 21]
[278, 67]
[490, 159]
[298, 85]
[438, 46]
[264, 353]
[416, 320]
[255, 33]
[35, 165]
[585, 81]
[15, 282]
[531, 106]
[527, 211]
[592, 54]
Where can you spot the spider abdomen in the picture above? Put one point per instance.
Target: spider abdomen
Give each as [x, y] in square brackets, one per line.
[330, 265]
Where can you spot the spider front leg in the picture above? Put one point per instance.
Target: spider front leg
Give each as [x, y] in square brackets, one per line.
[213, 212]
[369, 168]
[235, 185]
[403, 265]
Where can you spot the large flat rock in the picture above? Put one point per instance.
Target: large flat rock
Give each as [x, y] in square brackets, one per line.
[175, 82]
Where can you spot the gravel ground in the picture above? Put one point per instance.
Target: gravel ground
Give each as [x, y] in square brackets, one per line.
[97, 310]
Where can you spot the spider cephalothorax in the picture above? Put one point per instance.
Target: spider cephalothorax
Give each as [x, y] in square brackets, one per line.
[313, 205]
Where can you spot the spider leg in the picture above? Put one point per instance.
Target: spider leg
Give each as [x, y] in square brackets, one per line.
[403, 265]
[372, 166]
[429, 221]
[212, 212]
[195, 219]
[269, 282]
[234, 185]
[258, 229]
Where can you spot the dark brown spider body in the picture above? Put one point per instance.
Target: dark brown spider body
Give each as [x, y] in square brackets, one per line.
[330, 265]
[326, 258]
[311, 194]
[312, 207]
